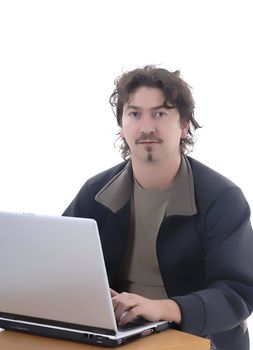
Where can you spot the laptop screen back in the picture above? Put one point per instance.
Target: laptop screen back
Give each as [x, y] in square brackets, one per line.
[52, 268]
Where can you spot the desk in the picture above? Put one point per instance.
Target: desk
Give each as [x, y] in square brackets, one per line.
[167, 340]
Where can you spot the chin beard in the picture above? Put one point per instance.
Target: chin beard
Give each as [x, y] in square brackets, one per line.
[149, 155]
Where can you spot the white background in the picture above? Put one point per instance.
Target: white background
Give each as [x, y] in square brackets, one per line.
[58, 60]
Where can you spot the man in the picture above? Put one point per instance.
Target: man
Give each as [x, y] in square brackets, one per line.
[176, 235]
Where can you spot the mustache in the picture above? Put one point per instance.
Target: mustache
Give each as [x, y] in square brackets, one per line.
[149, 137]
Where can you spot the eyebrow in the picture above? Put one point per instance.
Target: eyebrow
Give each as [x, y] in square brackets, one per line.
[153, 108]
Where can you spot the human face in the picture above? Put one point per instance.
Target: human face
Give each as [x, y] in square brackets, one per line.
[152, 131]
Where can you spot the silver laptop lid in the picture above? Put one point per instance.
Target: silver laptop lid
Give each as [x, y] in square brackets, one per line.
[53, 268]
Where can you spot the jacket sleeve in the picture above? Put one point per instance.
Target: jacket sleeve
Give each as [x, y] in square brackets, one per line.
[227, 297]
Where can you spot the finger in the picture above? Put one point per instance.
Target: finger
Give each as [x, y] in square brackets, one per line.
[121, 303]
[118, 306]
[130, 315]
[113, 292]
[119, 311]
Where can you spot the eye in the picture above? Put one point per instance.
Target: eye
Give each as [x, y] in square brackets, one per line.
[134, 115]
[160, 114]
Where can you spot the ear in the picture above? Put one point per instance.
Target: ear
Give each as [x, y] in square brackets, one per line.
[185, 129]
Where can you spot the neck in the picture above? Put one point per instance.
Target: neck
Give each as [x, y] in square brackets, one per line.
[154, 175]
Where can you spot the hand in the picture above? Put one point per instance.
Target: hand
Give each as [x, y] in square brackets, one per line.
[127, 306]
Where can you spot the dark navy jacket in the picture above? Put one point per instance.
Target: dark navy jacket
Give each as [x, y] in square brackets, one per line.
[206, 259]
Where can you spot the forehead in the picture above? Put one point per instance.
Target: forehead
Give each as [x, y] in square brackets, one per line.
[147, 97]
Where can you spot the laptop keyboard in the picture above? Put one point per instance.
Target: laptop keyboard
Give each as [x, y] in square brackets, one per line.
[135, 323]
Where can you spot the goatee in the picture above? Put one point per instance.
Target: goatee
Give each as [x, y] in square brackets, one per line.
[150, 155]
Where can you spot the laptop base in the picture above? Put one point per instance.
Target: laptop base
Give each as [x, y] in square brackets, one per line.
[75, 335]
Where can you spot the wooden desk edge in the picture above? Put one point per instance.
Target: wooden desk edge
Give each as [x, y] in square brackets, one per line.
[167, 340]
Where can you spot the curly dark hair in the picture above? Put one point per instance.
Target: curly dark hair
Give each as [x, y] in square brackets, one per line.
[176, 92]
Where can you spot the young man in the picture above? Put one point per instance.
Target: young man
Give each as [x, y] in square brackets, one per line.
[176, 235]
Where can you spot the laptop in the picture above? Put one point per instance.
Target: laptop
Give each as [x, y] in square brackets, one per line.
[54, 281]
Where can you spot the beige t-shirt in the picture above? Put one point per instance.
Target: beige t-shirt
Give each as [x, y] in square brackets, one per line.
[140, 272]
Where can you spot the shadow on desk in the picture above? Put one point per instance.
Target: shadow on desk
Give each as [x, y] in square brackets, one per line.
[167, 340]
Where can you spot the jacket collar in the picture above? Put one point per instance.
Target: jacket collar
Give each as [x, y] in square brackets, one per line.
[117, 192]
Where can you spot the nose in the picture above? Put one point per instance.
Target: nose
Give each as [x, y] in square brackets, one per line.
[147, 125]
